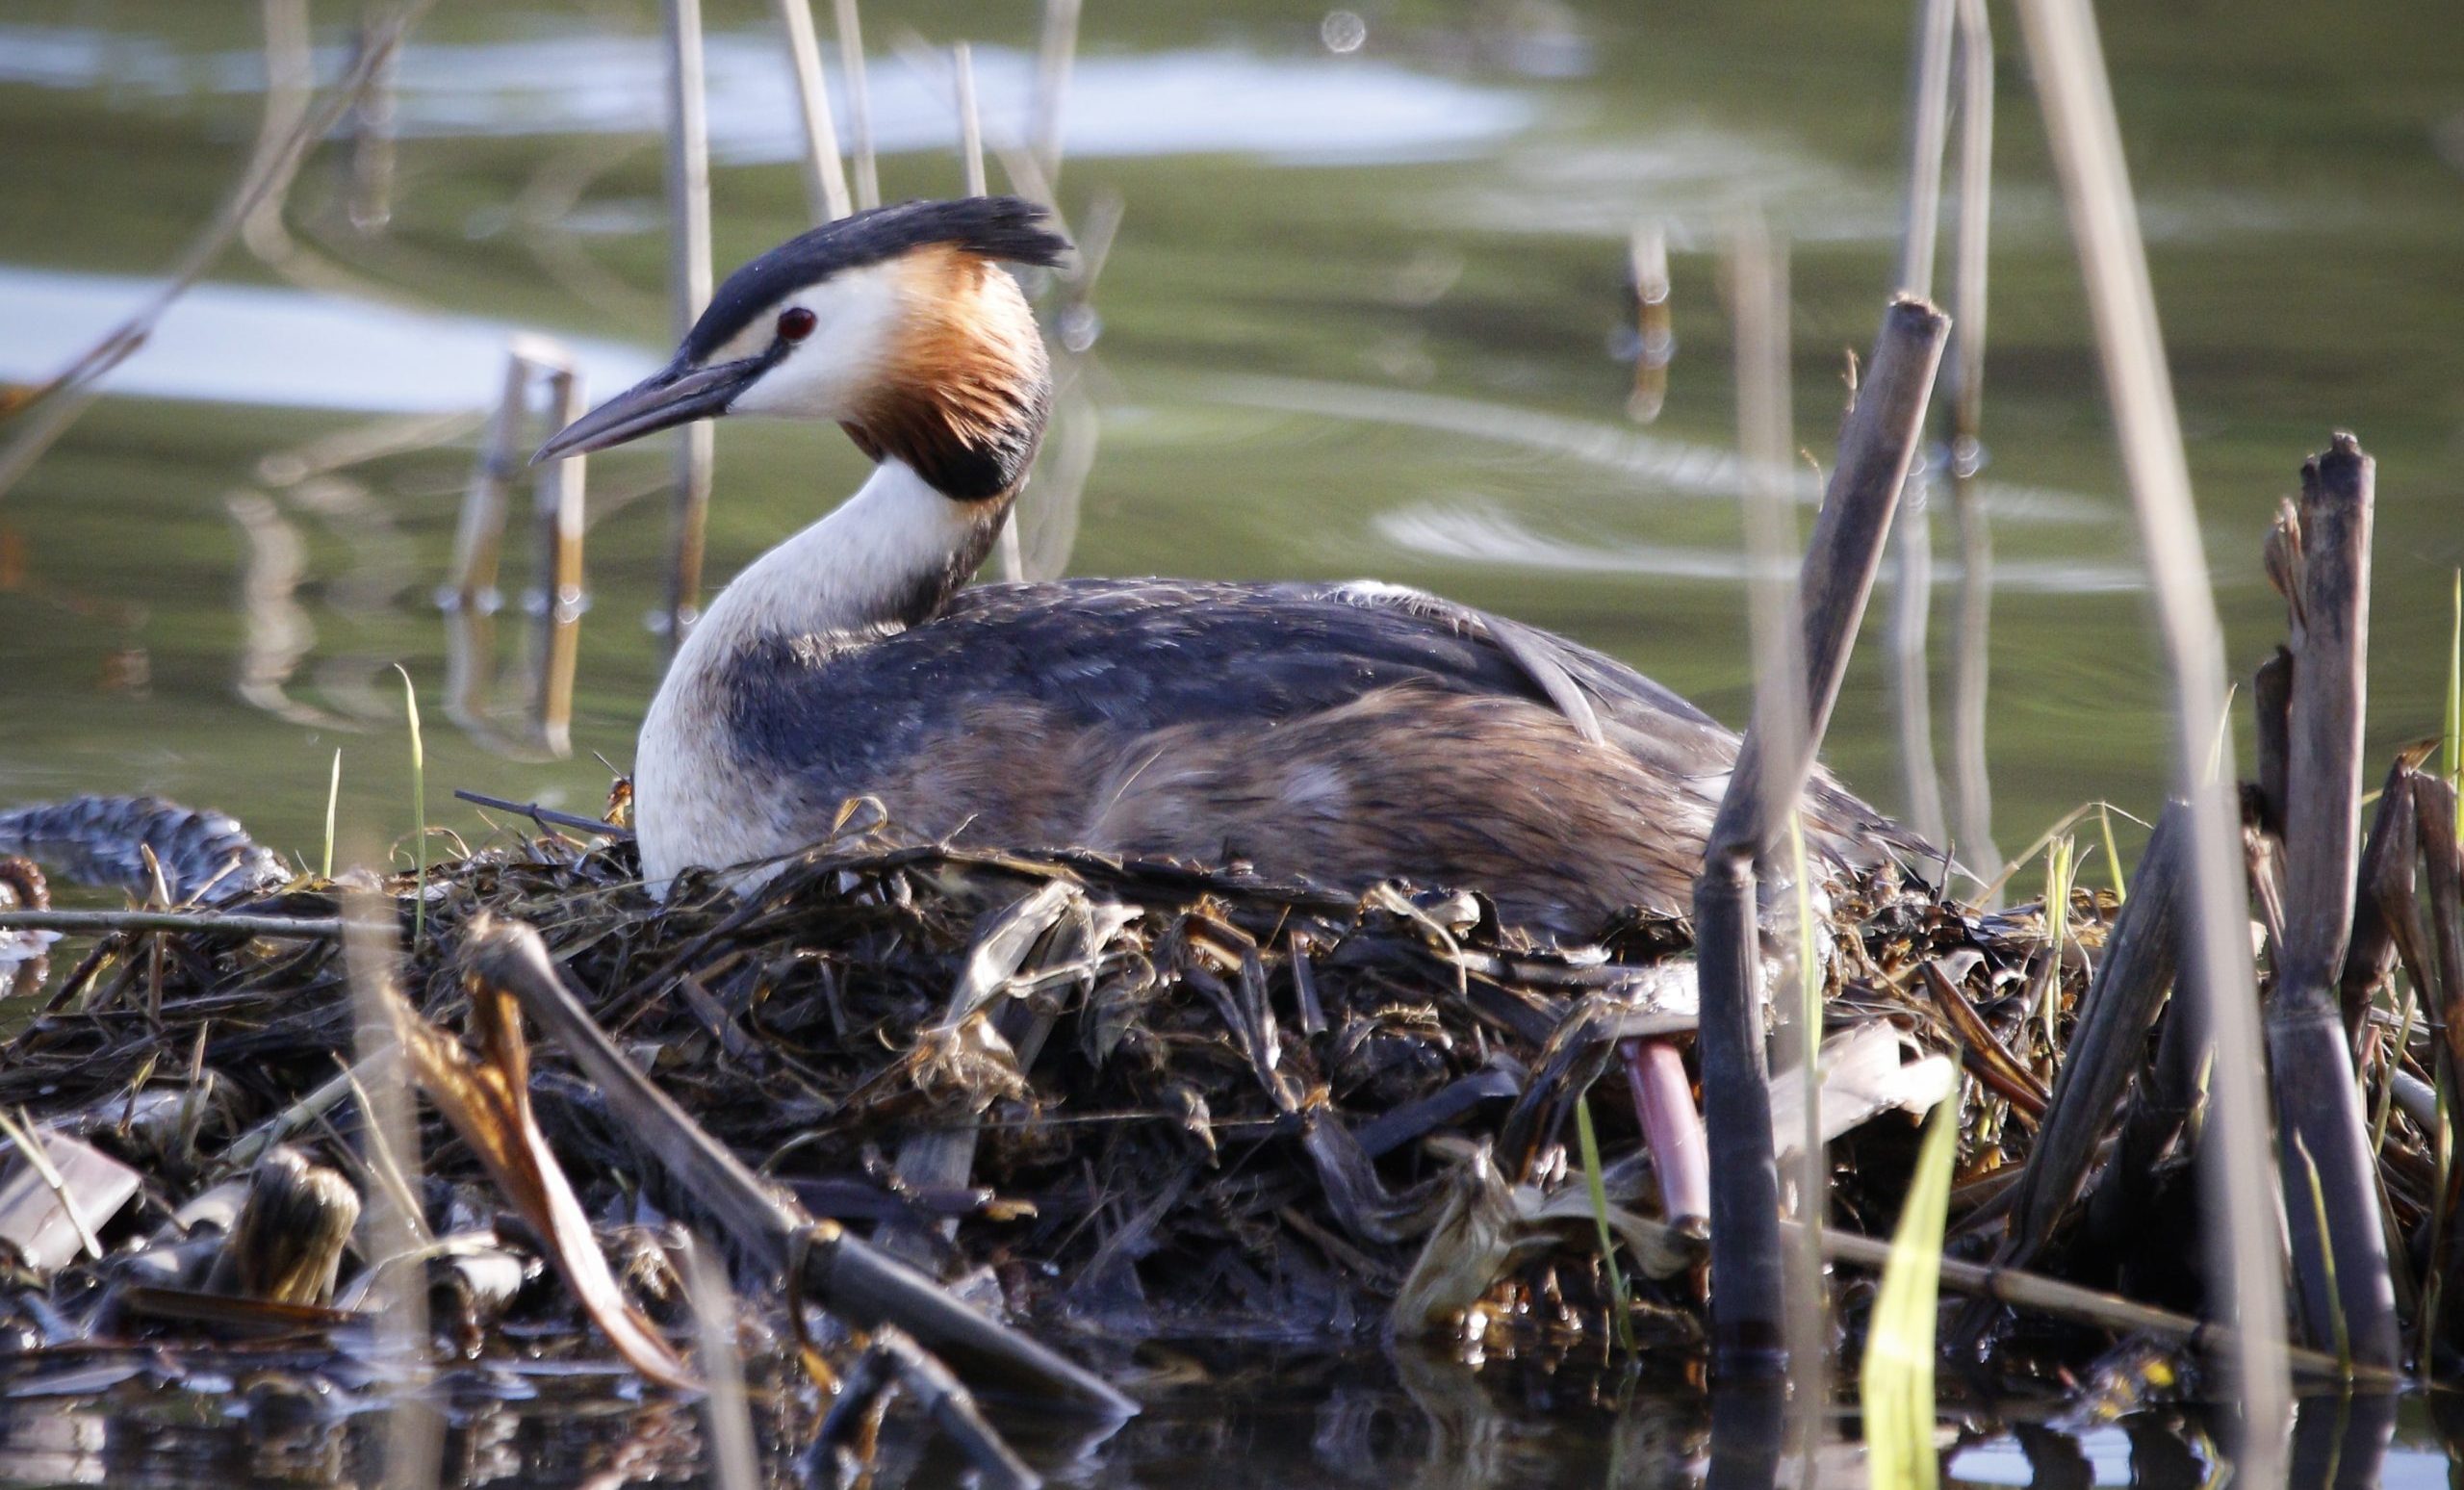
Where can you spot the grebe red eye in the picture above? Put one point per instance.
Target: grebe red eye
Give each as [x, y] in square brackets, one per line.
[795, 324]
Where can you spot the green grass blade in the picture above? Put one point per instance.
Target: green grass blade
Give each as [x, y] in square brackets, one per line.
[2113, 855]
[2059, 862]
[1590, 1143]
[333, 798]
[418, 808]
[1897, 1379]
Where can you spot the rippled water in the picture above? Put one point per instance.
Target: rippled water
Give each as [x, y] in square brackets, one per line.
[1365, 313]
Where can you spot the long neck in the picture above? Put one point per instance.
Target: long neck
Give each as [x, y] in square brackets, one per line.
[889, 557]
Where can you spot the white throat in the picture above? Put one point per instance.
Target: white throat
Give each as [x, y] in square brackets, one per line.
[859, 570]
[855, 570]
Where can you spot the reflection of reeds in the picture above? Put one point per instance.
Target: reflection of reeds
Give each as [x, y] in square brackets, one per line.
[1654, 336]
[1964, 390]
[2086, 138]
[277, 634]
[57, 404]
[1929, 91]
[556, 598]
[557, 560]
[372, 137]
[479, 537]
[289, 82]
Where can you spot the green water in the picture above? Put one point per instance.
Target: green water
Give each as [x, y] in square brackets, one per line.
[2307, 237]
[1337, 338]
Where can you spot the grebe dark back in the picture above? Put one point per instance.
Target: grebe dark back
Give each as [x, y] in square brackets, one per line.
[1341, 733]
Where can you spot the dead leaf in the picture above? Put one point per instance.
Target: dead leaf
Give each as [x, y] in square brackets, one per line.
[487, 1099]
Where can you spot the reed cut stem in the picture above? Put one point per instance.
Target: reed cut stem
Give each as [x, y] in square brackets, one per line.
[2339, 1250]
[1875, 451]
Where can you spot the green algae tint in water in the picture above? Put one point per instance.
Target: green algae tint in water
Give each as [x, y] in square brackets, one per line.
[1365, 315]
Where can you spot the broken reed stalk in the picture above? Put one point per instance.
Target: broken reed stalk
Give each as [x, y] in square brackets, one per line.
[837, 1270]
[98, 923]
[558, 504]
[688, 206]
[1876, 448]
[478, 537]
[2086, 138]
[546, 817]
[825, 173]
[2339, 1249]
[1929, 106]
[1964, 390]
[2386, 878]
[859, 104]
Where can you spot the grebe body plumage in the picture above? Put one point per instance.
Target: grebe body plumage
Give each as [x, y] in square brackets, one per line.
[1341, 733]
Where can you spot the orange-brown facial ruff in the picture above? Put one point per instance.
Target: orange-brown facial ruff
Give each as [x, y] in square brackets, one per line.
[964, 386]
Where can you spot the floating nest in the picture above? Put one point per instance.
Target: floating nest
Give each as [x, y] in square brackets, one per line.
[1191, 1104]
[1107, 1102]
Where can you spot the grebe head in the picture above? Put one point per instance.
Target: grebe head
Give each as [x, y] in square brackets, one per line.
[898, 323]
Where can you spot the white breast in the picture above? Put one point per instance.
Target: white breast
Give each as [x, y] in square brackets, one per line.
[696, 801]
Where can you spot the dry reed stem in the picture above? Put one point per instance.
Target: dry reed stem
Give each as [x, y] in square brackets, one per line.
[737, 1461]
[2086, 138]
[688, 206]
[825, 173]
[859, 104]
[1058, 49]
[393, 1228]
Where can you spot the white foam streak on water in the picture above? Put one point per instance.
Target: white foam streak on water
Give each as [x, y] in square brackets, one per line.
[1298, 108]
[1479, 534]
[1654, 463]
[245, 343]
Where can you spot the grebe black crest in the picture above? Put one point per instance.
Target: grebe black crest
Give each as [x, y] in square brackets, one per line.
[1341, 733]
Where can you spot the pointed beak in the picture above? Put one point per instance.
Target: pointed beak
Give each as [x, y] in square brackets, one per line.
[675, 395]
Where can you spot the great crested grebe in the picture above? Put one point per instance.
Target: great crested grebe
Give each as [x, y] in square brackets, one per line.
[1341, 733]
